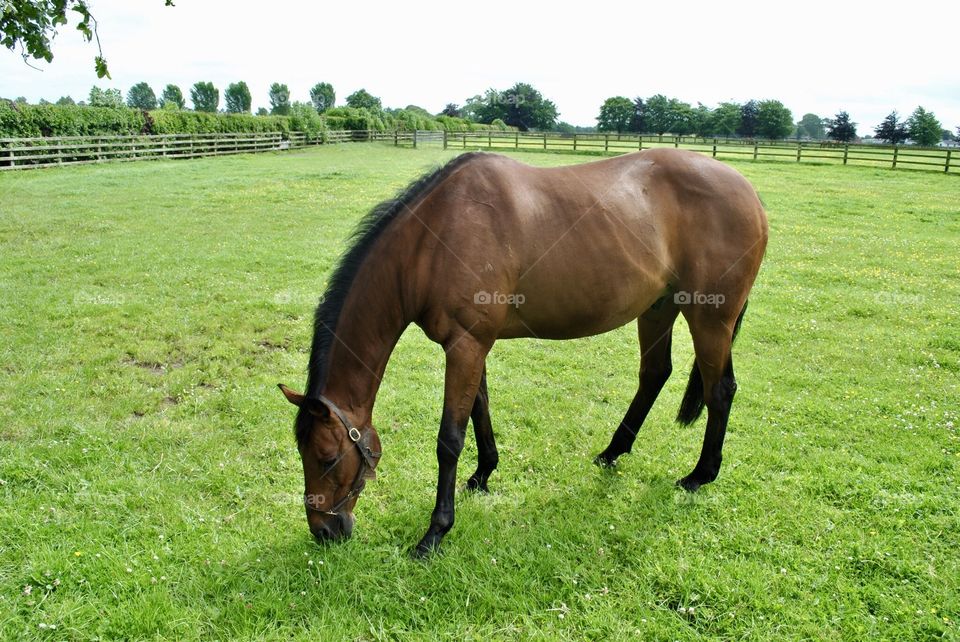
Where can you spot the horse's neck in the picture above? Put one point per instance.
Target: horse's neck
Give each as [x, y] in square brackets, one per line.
[370, 324]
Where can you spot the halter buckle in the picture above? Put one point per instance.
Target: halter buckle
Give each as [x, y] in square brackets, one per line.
[354, 434]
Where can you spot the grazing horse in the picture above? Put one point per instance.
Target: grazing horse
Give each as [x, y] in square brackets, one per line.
[487, 248]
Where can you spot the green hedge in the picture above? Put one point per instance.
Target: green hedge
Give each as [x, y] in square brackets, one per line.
[166, 121]
[31, 121]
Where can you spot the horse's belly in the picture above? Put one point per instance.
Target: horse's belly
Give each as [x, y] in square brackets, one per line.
[570, 317]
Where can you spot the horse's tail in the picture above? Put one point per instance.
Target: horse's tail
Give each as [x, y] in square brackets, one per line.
[692, 405]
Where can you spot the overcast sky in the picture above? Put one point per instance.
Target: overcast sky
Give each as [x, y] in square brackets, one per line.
[865, 57]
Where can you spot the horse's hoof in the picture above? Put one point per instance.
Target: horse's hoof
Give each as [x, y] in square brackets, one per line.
[603, 461]
[477, 484]
[427, 548]
[688, 483]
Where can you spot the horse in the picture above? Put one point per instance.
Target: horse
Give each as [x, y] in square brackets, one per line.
[487, 248]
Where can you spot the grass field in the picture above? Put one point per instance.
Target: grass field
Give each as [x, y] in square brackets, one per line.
[150, 486]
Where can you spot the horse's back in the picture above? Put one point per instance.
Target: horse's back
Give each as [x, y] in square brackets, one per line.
[585, 248]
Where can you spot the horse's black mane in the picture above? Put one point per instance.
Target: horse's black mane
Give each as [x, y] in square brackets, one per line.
[368, 230]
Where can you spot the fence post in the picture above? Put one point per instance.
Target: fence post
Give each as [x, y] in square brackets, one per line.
[396, 138]
[444, 138]
[13, 163]
[574, 142]
[414, 138]
[544, 140]
[846, 151]
[714, 147]
[489, 140]
[676, 142]
[640, 144]
[755, 150]
[799, 149]
[895, 152]
[946, 164]
[516, 140]
[606, 142]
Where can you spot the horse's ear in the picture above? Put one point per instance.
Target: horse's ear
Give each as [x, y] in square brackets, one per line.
[292, 396]
[317, 408]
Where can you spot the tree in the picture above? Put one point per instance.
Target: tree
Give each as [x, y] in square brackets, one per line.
[924, 127]
[362, 99]
[749, 112]
[31, 25]
[322, 96]
[279, 99]
[520, 106]
[527, 108]
[811, 125]
[141, 96]
[702, 120]
[657, 114]
[105, 97]
[66, 100]
[946, 135]
[773, 119]
[725, 119]
[892, 130]
[262, 111]
[841, 128]
[237, 98]
[473, 108]
[681, 116]
[615, 114]
[638, 121]
[172, 98]
[205, 97]
[452, 110]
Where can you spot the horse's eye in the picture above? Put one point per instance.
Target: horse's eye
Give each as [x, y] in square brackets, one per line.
[327, 463]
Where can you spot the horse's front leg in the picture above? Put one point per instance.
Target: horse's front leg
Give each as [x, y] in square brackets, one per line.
[465, 359]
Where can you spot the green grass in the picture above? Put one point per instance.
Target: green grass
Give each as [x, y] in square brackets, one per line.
[151, 487]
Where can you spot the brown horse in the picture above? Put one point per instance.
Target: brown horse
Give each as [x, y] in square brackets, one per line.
[488, 248]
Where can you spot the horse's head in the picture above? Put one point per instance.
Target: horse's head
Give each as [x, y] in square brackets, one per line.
[338, 458]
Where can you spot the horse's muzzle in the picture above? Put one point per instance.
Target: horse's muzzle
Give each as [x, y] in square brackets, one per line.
[335, 528]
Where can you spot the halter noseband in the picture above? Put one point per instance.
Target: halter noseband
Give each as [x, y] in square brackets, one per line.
[368, 460]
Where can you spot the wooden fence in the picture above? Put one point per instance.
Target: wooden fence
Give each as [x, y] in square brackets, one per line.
[942, 159]
[25, 153]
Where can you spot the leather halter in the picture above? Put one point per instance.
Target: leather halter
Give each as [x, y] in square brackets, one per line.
[368, 460]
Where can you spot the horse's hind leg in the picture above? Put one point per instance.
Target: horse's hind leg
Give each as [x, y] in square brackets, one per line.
[487, 456]
[712, 339]
[655, 328]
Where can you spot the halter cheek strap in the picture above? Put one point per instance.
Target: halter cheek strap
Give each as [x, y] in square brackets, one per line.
[369, 458]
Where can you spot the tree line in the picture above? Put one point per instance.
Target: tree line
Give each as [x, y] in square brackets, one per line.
[768, 119]
[524, 108]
